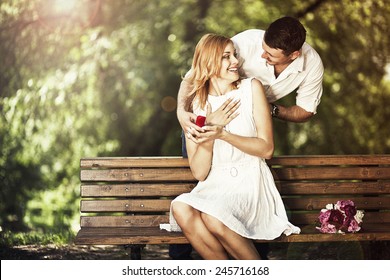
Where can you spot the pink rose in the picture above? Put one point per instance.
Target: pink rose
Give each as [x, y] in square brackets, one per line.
[341, 204]
[350, 211]
[354, 226]
[327, 228]
[324, 216]
[336, 218]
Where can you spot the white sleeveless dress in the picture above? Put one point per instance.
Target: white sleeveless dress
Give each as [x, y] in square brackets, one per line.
[239, 190]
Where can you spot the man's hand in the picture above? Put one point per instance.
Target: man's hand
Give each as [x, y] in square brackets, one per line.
[187, 121]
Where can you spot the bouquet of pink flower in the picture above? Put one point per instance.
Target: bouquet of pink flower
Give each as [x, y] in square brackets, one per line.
[340, 218]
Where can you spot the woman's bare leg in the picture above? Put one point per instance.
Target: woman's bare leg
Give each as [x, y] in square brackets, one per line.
[237, 246]
[196, 232]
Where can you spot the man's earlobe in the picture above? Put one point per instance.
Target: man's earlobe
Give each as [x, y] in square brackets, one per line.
[295, 54]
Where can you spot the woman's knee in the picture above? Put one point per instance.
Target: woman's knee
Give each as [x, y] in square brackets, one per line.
[182, 213]
[215, 226]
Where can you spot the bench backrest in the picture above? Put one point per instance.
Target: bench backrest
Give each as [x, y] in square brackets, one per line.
[137, 191]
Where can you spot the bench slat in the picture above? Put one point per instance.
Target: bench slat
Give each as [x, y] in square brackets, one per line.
[126, 205]
[285, 188]
[318, 203]
[326, 188]
[322, 160]
[153, 235]
[124, 221]
[119, 236]
[137, 175]
[155, 220]
[292, 203]
[312, 217]
[125, 162]
[184, 174]
[331, 173]
[135, 190]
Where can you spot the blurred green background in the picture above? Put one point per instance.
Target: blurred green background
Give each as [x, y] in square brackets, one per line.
[92, 78]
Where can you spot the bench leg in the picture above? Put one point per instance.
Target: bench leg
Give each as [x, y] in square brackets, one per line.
[135, 251]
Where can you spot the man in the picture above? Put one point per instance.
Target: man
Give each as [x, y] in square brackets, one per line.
[283, 62]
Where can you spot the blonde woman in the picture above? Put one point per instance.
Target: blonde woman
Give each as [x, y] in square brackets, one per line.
[236, 200]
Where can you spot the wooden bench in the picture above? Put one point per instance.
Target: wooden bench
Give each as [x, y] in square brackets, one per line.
[125, 199]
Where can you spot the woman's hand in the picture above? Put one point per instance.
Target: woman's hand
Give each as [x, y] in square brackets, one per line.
[211, 132]
[220, 118]
[224, 114]
[215, 122]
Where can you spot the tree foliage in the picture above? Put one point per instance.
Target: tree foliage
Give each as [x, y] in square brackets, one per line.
[100, 78]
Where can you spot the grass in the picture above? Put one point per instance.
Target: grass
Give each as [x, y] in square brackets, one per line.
[9, 239]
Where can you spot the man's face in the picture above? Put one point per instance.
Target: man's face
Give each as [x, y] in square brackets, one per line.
[275, 56]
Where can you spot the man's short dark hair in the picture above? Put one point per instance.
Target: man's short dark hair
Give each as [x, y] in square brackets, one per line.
[285, 33]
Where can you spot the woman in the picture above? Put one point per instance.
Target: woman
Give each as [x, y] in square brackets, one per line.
[236, 199]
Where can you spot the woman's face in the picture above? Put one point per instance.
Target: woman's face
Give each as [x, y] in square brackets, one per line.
[229, 66]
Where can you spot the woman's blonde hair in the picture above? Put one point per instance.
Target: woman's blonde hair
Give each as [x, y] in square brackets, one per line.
[206, 63]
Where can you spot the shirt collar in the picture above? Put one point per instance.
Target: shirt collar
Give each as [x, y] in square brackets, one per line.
[298, 64]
